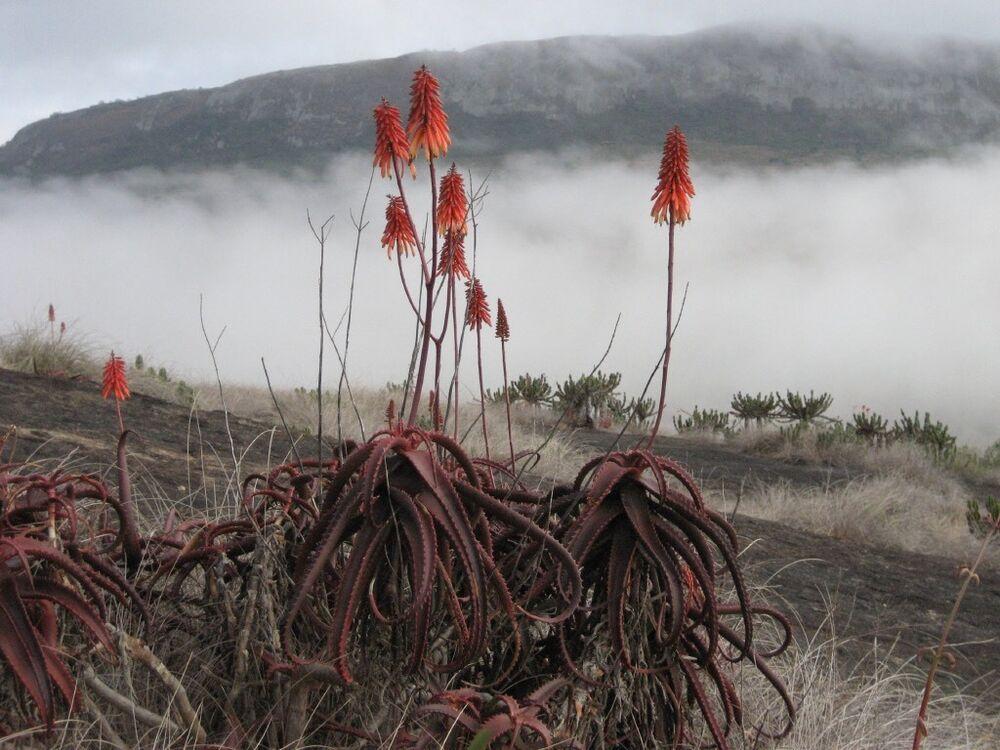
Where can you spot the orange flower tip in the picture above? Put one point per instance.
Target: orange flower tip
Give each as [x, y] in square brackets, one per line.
[398, 234]
[674, 189]
[502, 328]
[477, 307]
[453, 204]
[114, 382]
[427, 126]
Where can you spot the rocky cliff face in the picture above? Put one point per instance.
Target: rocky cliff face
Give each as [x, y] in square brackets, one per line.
[761, 94]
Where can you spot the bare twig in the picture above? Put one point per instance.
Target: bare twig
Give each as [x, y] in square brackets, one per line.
[359, 228]
[321, 236]
[127, 705]
[274, 400]
[218, 379]
[141, 653]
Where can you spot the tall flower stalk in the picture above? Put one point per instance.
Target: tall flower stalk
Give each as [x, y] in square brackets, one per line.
[503, 333]
[451, 210]
[427, 130]
[671, 204]
[477, 315]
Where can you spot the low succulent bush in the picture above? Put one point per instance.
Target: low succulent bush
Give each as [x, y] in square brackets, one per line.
[759, 409]
[638, 410]
[583, 398]
[933, 436]
[803, 409]
[534, 391]
[703, 420]
[869, 426]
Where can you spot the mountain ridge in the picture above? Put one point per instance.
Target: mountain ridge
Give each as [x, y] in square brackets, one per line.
[749, 94]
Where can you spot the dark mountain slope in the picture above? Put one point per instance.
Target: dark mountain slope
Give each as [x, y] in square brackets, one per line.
[757, 95]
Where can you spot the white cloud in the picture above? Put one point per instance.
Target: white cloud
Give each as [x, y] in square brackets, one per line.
[877, 284]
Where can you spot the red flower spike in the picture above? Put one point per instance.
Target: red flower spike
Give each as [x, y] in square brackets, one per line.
[52, 313]
[674, 190]
[398, 234]
[452, 203]
[478, 309]
[390, 140]
[114, 382]
[502, 329]
[452, 261]
[427, 127]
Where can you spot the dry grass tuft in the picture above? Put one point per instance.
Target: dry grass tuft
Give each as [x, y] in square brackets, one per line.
[36, 348]
[892, 510]
[873, 704]
[559, 459]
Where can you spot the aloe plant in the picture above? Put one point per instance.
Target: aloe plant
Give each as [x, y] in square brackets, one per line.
[534, 391]
[703, 420]
[869, 426]
[934, 436]
[803, 409]
[759, 409]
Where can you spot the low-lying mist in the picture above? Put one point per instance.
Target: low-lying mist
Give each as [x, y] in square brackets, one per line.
[878, 284]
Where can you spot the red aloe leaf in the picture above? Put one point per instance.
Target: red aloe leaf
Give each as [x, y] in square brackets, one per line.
[60, 675]
[357, 576]
[620, 560]
[634, 502]
[498, 510]
[49, 590]
[20, 648]
[419, 531]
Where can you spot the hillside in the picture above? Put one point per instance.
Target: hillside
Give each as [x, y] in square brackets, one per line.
[878, 594]
[749, 95]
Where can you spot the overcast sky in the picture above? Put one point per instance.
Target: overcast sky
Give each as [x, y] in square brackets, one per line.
[60, 55]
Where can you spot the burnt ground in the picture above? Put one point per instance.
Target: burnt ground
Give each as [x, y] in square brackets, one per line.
[881, 594]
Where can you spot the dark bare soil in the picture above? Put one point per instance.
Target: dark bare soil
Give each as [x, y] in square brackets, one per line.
[881, 594]
[175, 453]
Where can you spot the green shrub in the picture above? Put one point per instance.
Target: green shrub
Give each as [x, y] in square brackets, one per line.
[640, 411]
[758, 409]
[869, 426]
[583, 398]
[935, 437]
[185, 393]
[531, 390]
[703, 420]
[797, 407]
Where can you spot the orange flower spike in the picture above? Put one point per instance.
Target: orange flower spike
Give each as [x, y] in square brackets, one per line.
[398, 234]
[453, 204]
[114, 382]
[478, 309]
[503, 328]
[452, 261]
[390, 140]
[674, 189]
[427, 127]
